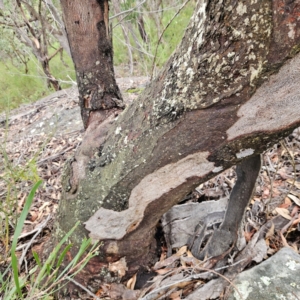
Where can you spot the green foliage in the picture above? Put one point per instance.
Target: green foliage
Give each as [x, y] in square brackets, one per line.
[11, 174]
[45, 276]
[170, 40]
[43, 279]
[17, 233]
[18, 88]
[15, 59]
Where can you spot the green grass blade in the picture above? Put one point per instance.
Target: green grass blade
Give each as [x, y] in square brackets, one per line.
[62, 256]
[37, 259]
[52, 257]
[17, 233]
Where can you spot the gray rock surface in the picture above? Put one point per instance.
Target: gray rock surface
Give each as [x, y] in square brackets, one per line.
[276, 278]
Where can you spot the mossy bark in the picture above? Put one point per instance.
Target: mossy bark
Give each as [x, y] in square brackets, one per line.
[225, 95]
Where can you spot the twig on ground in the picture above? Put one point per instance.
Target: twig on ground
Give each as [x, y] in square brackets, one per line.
[191, 278]
[56, 155]
[28, 245]
[82, 287]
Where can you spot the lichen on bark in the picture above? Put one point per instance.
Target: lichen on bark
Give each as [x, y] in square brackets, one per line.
[194, 106]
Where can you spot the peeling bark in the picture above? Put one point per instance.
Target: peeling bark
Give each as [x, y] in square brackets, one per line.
[228, 92]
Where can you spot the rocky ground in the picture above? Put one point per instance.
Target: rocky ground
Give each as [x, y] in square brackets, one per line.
[37, 138]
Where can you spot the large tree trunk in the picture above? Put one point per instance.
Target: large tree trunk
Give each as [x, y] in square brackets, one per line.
[230, 91]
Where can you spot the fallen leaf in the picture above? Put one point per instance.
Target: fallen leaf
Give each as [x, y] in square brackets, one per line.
[271, 231]
[168, 261]
[295, 199]
[294, 182]
[181, 251]
[163, 271]
[131, 282]
[287, 200]
[175, 295]
[284, 242]
[248, 235]
[119, 267]
[296, 193]
[283, 212]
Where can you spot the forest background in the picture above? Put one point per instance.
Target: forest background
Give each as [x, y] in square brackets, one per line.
[34, 50]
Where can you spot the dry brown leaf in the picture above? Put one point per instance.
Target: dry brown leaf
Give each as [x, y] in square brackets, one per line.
[34, 215]
[248, 235]
[191, 261]
[182, 262]
[163, 271]
[271, 231]
[297, 221]
[287, 200]
[40, 216]
[295, 199]
[284, 242]
[283, 212]
[176, 295]
[181, 251]
[189, 254]
[284, 205]
[293, 182]
[119, 267]
[168, 261]
[163, 256]
[131, 282]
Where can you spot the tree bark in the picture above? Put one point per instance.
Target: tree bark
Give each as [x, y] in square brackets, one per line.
[229, 92]
[88, 31]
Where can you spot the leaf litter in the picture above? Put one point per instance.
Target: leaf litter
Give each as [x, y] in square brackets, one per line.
[272, 219]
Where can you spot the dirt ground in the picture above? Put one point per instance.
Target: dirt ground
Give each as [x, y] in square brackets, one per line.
[41, 136]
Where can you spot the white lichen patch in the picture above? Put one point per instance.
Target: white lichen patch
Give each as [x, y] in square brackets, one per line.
[241, 9]
[266, 280]
[274, 106]
[109, 224]
[244, 153]
[217, 169]
[183, 62]
[118, 130]
[256, 71]
[292, 265]
[291, 33]
[244, 289]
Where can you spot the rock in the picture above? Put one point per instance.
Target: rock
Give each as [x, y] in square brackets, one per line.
[180, 221]
[276, 278]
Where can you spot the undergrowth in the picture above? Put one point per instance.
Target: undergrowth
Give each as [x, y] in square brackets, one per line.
[35, 278]
[19, 88]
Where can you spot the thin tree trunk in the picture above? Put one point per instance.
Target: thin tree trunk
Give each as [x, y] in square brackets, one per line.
[89, 37]
[125, 33]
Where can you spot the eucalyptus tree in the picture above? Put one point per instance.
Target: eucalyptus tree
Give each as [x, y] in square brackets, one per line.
[33, 26]
[228, 92]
